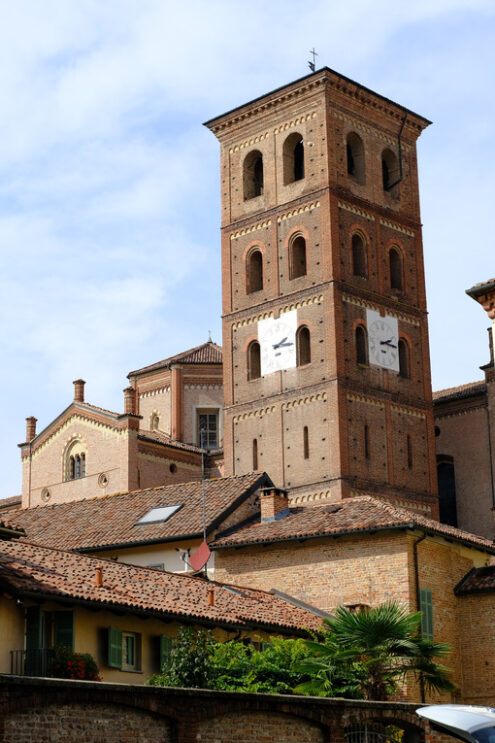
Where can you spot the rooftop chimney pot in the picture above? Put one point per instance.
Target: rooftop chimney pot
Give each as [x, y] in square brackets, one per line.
[99, 576]
[31, 428]
[211, 596]
[79, 390]
[130, 401]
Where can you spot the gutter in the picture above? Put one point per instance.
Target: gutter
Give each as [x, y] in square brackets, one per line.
[418, 603]
[163, 616]
[396, 527]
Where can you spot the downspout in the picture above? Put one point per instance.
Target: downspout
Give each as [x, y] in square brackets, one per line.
[418, 603]
[29, 478]
[399, 147]
[490, 450]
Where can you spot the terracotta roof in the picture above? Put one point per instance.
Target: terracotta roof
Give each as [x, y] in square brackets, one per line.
[207, 353]
[478, 579]
[10, 504]
[107, 521]
[361, 514]
[162, 438]
[458, 393]
[46, 572]
[9, 529]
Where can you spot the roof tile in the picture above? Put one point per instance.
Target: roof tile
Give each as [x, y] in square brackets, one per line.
[207, 353]
[111, 520]
[33, 569]
[361, 514]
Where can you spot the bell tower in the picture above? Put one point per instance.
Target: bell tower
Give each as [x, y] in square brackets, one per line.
[326, 363]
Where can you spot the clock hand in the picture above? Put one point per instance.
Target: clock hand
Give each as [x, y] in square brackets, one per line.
[285, 344]
[280, 343]
[388, 343]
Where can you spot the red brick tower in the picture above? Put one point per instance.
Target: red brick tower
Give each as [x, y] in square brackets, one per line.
[326, 363]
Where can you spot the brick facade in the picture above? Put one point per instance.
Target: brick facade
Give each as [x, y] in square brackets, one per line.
[34, 710]
[326, 208]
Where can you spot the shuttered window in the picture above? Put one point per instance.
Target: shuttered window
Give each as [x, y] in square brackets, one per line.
[426, 607]
[165, 650]
[114, 647]
[63, 628]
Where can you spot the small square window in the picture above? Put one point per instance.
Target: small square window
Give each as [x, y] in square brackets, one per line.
[130, 651]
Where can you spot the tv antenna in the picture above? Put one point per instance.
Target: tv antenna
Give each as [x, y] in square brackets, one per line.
[312, 65]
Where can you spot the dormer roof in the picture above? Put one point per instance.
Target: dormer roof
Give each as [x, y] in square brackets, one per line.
[207, 353]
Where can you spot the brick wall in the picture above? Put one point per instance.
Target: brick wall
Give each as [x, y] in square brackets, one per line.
[42, 710]
[477, 647]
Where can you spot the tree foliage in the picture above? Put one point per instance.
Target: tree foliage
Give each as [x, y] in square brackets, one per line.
[384, 647]
[360, 655]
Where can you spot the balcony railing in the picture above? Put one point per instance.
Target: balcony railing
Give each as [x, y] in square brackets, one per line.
[32, 662]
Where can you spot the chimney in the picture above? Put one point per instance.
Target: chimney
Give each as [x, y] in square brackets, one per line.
[79, 390]
[129, 401]
[31, 428]
[211, 596]
[99, 576]
[274, 504]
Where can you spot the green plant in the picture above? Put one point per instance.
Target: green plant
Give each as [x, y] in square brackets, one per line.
[190, 661]
[66, 664]
[380, 648]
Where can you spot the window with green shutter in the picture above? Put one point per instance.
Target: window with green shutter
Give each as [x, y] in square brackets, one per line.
[63, 628]
[114, 647]
[165, 650]
[426, 608]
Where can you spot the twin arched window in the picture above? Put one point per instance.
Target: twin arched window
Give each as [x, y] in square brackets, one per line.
[253, 361]
[75, 461]
[404, 363]
[253, 181]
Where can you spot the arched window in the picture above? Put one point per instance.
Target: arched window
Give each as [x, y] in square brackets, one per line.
[361, 340]
[255, 454]
[306, 442]
[303, 346]
[253, 175]
[404, 365]
[155, 422]
[254, 271]
[359, 256]
[446, 489]
[254, 361]
[293, 155]
[75, 461]
[390, 172]
[355, 157]
[297, 257]
[395, 269]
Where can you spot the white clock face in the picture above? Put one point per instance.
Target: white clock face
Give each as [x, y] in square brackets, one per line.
[277, 340]
[383, 340]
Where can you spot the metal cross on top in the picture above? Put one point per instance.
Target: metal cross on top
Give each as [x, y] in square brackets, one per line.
[312, 65]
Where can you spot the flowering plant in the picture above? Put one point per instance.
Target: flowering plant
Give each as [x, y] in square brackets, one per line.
[67, 664]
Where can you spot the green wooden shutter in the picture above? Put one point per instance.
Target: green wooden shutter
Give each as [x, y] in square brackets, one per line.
[426, 607]
[265, 645]
[63, 628]
[33, 628]
[114, 647]
[165, 650]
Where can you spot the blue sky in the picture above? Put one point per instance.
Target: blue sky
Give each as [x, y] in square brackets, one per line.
[109, 184]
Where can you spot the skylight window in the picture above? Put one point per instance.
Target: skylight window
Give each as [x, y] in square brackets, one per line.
[159, 515]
